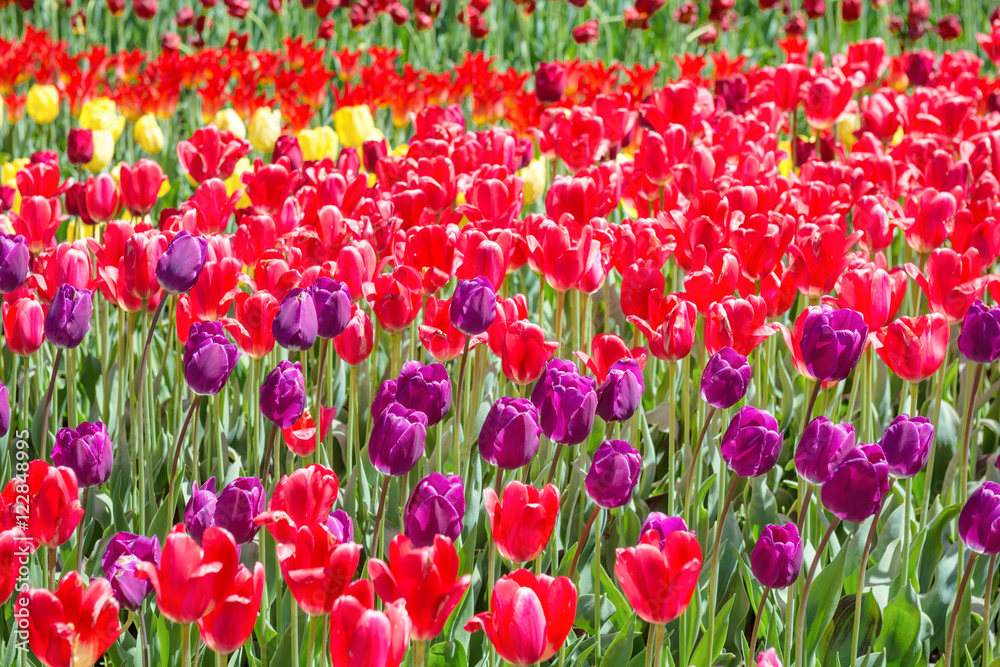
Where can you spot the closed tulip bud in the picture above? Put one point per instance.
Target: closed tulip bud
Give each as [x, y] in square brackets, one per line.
[80, 146]
[855, 488]
[287, 512]
[181, 264]
[914, 347]
[979, 340]
[4, 410]
[832, 342]
[354, 125]
[663, 525]
[7, 193]
[14, 260]
[103, 201]
[436, 507]
[209, 358]
[620, 395]
[354, 344]
[265, 128]
[104, 151]
[768, 658]
[288, 148]
[68, 319]
[361, 636]
[752, 443]
[523, 351]
[340, 526]
[333, 306]
[979, 521]
[907, 444]
[199, 513]
[473, 307]
[140, 186]
[318, 143]
[613, 474]
[674, 563]
[42, 103]
[566, 402]
[398, 439]
[426, 389]
[509, 436]
[23, 326]
[586, 32]
[822, 446]
[726, 379]
[776, 559]
[372, 151]
[238, 503]
[227, 120]
[125, 551]
[147, 134]
[550, 82]
[522, 520]
[283, 394]
[86, 450]
[295, 326]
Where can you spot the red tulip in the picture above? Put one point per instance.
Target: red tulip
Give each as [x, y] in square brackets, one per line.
[300, 499]
[778, 291]
[215, 290]
[530, 616]
[494, 199]
[138, 267]
[255, 234]
[268, 186]
[230, 623]
[356, 265]
[660, 581]
[914, 347]
[301, 437]
[826, 98]
[431, 250]
[426, 578]
[578, 138]
[737, 323]
[23, 325]
[140, 186]
[54, 509]
[715, 278]
[360, 636]
[354, 345]
[192, 579]
[642, 285]
[67, 263]
[524, 351]
[871, 218]
[317, 567]
[560, 257]
[508, 311]
[760, 242]
[37, 222]
[483, 254]
[660, 153]
[522, 520]
[873, 292]
[932, 219]
[442, 340]
[395, 298]
[73, 626]
[251, 328]
[103, 201]
[15, 549]
[40, 179]
[819, 254]
[670, 329]
[211, 206]
[211, 153]
[273, 273]
[606, 349]
[952, 282]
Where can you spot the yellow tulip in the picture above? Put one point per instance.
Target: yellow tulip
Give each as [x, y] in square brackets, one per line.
[233, 183]
[265, 128]
[354, 125]
[229, 120]
[10, 170]
[147, 134]
[318, 143]
[534, 176]
[401, 150]
[43, 103]
[102, 114]
[785, 166]
[104, 151]
[3, 112]
[845, 130]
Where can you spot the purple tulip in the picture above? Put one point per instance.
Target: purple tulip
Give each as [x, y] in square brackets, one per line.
[68, 319]
[384, 397]
[979, 340]
[79, 145]
[426, 389]
[124, 552]
[296, 326]
[436, 507]
[613, 474]
[979, 522]
[239, 502]
[14, 261]
[333, 306]
[832, 342]
[620, 395]
[550, 82]
[182, 262]
[662, 524]
[340, 526]
[752, 443]
[566, 402]
[776, 559]
[726, 379]
[287, 147]
[821, 448]
[86, 450]
[283, 394]
[509, 437]
[398, 439]
[4, 410]
[473, 306]
[907, 445]
[857, 485]
[209, 358]
[199, 513]
[372, 152]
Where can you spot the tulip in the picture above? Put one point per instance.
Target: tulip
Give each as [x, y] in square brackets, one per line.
[317, 567]
[914, 347]
[436, 507]
[300, 437]
[4, 410]
[138, 266]
[209, 358]
[509, 436]
[124, 553]
[620, 395]
[979, 521]
[231, 622]
[283, 394]
[613, 474]
[295, 327]
[354, 345]
[524, 352]
[522, 520]
[23, 325]
[73, 626]
[856, 486]
[670, 329]
[300, 499]
[550, 82]
[86, 450]
[37, 222]
[932, 216]
[979, 340]
[605, 350]
[147, 134]
[14, 261]
[68, 318]
[42, 103]
[332, 300]
[190, 580]
[14, 547]
[659, 581]
[566, 402]
[426, 578]
[54, 509]
[354, 125]
[726, 379]
[426, 389]
[442, 340]
[822, 447]
[906, 443]
[340, 526]
[397, 440]
[211, 153]
[140, 186]
[360, 636]
[831, 341]
[251, 328]
[768, 658]
[395, 298]
[265, 128]
[179, 267]
[199, 513]
[473, 306]
[873, 292]
[103, 200]
[663, 525]
[530, 616]
[79, 146]
[752, 443]
[776, 559]
[288, 148]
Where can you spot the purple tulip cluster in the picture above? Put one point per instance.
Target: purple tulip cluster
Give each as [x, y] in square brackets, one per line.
[436, 507]
[979, 339]
[832, 342]
[124, 553]
[234, 508]
[566, 402]
[726, 379]
[86, 450]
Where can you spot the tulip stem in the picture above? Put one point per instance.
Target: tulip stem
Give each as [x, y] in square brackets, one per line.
[694, 459]
[311, 646]
[352, 421]
[48, 399]
[800, 625]
[419, 653]
[946, 660]
[555, 463]
[143, 639]
[811, 404]
[560, 304]
[714, 581]
[987, 615]
[963, 480]
[177, 456]
[456, 422]
[756, 624]
[859, 595]
[53, 584]
[377, 541]
[583, 539]
[661, 631]
[265, 463]
[186, 645]
[804, 505]
[79, 532]
[318, 416]
[296, 646]
[929, 478]
[141, 372]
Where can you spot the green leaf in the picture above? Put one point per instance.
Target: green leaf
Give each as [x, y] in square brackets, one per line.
[622, 608]
[447, 654]
[838, 637]
[900, 636]
[621, 647]
[704, 656]
[823, 597]
[163, 634]
[932, 545]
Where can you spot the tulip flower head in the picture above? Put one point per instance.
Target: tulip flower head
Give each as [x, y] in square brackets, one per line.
[726, 379]
[86, 450]
[752, 442]
[124, 553]
[659, 581]
[907, 442]
[979, 521]
[566, 402]
[831, 341]
[613, 474]
[317, 567]
[522, 519]
[14, 261]
[473, 306]
[68, 318]
[332, 300]
[398, 440]
[620, 395]
[663, 525]
[979, 340]
[231, 622]
[426, 389]
[296, 326]
[179, 267]
[283, 394]
[436, 507]
[822, 446]
[360, 636]
[509, 436]
[300, 499]
[209, 358]
[776, 559]
[857, 485]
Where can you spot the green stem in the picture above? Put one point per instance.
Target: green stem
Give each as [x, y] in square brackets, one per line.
[987, 614]
[859, 594]
[756, 625]
[950, 640]
[694, 461]
[186, 645]
[929, 477]
[714, 581]
[44, 435]
[177, 456]
[457, 421]
[800, 627]
[963, 482]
